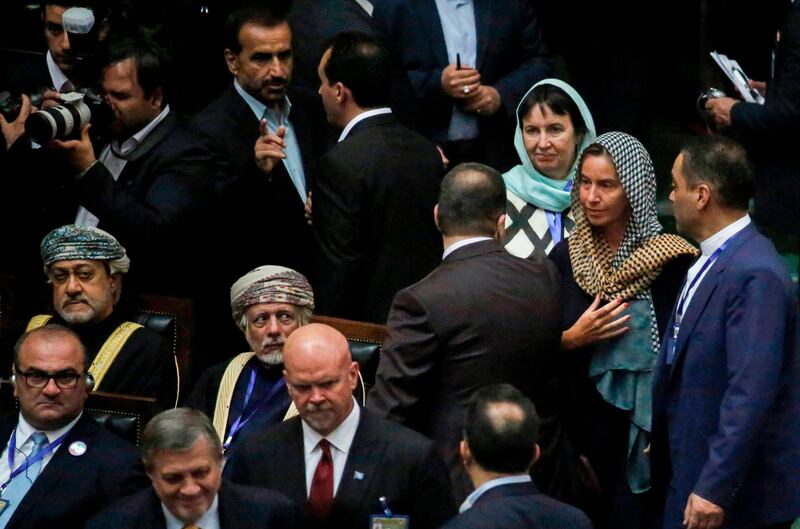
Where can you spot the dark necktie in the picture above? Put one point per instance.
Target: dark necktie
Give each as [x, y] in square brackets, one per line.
[320, 499]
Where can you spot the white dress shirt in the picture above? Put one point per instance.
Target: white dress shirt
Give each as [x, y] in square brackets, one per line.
[361, 117]
[113, 157]
[477, 493]
[460, 244]
[210, 520]
[24, 444]
[707, 248]
[294, 160]
[340, 441]
[58, 77]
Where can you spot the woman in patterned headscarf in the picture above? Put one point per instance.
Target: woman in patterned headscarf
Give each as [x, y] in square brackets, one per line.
[620, 278]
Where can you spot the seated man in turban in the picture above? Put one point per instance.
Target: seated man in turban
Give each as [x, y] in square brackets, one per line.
[85, 267]
[248, 392]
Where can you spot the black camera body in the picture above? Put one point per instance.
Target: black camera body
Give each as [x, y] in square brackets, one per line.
[10, 105]
[66, 120]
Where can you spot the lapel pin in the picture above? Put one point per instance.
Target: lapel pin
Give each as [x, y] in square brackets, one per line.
[78, 448]
[358, 475]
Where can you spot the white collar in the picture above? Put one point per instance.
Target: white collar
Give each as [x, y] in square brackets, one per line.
[25, 430]
[208, 520]
[477, 493]
[460, 244]
[258, 107]
[710, 245]
[361, 117]
[340, 438]
[56, 75]
[135, 140]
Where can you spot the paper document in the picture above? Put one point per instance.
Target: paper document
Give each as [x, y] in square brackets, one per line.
[737, 77]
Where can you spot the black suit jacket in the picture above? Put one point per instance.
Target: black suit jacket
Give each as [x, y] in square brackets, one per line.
[71, 489]
[770, 131]
[156, 205]
[519, 506]
[240, 507]
[260, 217]
[482, 317]
[385, 459]
[510, 57]
[373, 218]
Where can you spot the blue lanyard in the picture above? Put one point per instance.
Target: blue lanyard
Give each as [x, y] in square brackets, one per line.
[12, 448]
[554, 219]
[676, 325]
[241, 420]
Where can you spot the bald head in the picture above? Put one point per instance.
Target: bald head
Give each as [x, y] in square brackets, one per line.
[320, 375]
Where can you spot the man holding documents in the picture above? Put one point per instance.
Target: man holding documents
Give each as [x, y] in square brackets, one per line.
[769, 132]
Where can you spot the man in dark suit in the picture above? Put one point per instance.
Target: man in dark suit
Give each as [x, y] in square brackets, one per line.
[345, 463]
[483, 316]
[468, 64]
[64, 466]
[726, 399]
[148, 185]
[183, 458]
[262, 138]
[379, 171]
[770, 131]
[498, 450]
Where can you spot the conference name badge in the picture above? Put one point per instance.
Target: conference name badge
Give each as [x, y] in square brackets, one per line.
[388, 520]
[379, 521]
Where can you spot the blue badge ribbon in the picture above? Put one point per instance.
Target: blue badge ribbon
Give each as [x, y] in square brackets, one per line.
[242, 420]
[12, 448]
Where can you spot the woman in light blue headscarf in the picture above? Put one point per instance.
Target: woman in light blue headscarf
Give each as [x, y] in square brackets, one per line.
[553, 126]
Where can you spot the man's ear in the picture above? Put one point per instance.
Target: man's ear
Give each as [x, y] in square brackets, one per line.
[436, 216]
[500, 229]
[703, 196]
[157, 98]
[464, 452]
[536, 453]
[232, 61]
[343, 94]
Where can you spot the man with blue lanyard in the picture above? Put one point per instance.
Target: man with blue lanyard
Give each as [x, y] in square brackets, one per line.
[726, 402]
[59, 466]
[248, 392]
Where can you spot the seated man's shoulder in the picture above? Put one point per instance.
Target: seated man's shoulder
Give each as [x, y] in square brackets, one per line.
[105, 443]
[255, 499]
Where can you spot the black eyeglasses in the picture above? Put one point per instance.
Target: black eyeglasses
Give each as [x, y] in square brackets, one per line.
[39, 379]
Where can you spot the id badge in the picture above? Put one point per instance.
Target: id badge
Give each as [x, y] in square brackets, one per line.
[3, 505]
[380, 521]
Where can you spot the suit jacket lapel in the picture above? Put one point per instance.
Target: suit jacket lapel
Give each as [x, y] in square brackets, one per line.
[428, 17]
[293, 464]
[363, 462]
[59, 465]
[703, 293]
[483, 16]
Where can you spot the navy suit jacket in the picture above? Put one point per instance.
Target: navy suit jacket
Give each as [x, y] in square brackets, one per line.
[239, 507]
[385, 459]
[71, 488]
[726, 413]
[519, 506]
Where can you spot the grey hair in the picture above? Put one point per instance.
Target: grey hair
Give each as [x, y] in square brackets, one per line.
[303, 314]
[177, 430]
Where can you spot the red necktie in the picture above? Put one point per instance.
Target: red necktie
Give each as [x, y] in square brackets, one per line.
[320, 499]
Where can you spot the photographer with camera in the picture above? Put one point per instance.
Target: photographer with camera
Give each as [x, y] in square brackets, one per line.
[769, 132]
[147, 184]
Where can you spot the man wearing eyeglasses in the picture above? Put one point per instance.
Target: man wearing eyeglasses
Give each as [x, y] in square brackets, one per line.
[58, 466]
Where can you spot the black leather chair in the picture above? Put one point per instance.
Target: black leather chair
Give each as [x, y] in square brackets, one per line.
[173, 319]
[366, 341]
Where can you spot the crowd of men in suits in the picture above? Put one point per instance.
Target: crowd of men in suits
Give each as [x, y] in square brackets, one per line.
[340, 203]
